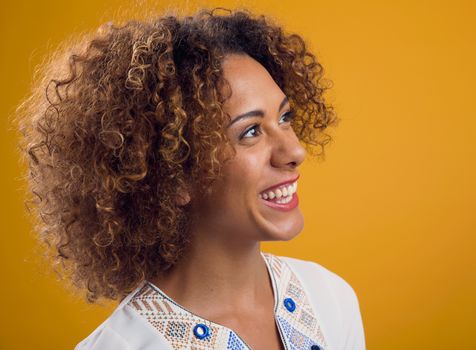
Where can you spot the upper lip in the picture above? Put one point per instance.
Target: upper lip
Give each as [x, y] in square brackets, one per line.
[282, 183]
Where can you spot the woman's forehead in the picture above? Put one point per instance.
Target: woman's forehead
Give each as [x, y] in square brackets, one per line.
[249, 81]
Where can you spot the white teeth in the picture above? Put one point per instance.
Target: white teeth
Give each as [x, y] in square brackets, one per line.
[282, 194]
[291, 189]
[285, 200]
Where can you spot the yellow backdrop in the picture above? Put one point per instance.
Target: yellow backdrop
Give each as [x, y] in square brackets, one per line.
[391, 209]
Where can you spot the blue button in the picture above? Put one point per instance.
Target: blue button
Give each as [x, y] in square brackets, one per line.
[315, 347]
[201, 331]
[289, 304]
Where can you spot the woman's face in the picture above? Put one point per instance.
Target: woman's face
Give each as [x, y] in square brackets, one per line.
[268, 154]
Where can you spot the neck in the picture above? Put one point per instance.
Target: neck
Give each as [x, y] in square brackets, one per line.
[219, 271]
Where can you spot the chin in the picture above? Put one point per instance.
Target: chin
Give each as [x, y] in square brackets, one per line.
[282, 238]
[287, 235]
[284, 229]
[275, 225]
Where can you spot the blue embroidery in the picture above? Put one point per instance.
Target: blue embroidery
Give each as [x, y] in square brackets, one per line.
[201, 331]
[297, 340]
[290, 304]
[177, 330]
[234, 343]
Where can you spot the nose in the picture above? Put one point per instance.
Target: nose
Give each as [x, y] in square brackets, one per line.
[287, 150]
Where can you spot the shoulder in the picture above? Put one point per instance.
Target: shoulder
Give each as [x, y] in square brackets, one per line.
[334, 300]
[124, 329]
[311, 272]
[103, 337]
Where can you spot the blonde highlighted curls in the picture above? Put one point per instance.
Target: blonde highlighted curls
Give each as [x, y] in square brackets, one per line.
[122, 119]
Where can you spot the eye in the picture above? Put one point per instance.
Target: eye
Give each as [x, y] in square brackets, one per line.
[247, 132]
[288, 116]
[255, 129]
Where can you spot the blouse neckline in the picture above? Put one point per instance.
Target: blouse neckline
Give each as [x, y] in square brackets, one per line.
[275, 296]
[297, 322]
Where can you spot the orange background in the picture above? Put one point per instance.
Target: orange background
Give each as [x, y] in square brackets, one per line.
[391, 209]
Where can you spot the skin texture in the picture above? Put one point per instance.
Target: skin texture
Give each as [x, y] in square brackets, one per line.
[232, 220]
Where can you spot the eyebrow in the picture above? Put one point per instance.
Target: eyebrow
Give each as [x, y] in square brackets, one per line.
[256, 112]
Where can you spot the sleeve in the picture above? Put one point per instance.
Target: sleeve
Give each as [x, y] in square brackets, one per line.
[353, 337]
[103, 338]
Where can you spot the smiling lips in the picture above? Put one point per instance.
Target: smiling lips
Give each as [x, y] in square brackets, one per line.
[281, 197]
[280, 194]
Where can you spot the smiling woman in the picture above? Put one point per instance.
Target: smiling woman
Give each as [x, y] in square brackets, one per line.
[161, 153]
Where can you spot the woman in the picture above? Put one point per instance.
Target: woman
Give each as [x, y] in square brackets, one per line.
[161, 155]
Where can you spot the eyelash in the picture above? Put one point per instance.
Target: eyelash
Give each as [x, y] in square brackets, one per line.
[289, 115]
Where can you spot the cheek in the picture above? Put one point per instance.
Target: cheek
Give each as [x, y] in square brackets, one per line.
[245, 172]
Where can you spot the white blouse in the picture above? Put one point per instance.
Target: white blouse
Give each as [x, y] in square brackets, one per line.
[314, 308]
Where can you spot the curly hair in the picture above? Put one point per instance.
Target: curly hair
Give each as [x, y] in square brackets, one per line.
[121, 119]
